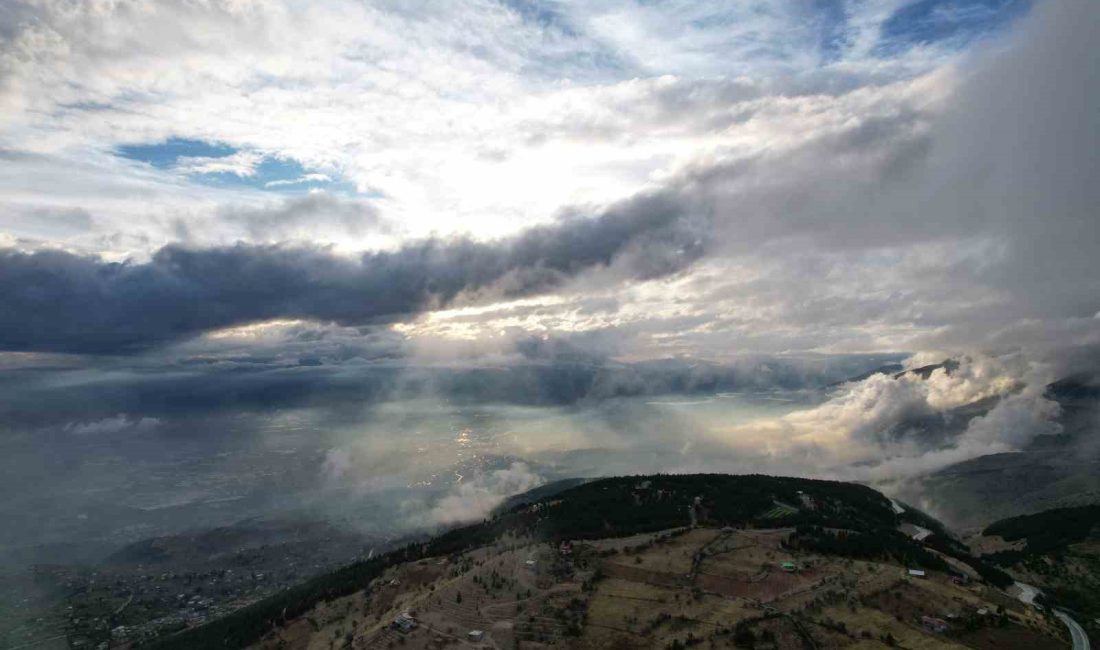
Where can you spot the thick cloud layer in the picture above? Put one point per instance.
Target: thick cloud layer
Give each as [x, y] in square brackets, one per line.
[870, 194]
[951, 210]
[56, 301]
[892, 427]
[472, 500]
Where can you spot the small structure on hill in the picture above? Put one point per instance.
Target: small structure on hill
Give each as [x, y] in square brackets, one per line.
[917, 573]
[937, 625]
[405, 623]
[914, 532]
[475, 636]
[808, 501]
[698, 511]
[789, 567]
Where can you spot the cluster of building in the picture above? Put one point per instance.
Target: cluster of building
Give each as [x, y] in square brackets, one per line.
[157, 603]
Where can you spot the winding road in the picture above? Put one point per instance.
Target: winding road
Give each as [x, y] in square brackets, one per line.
[1076, 632]
[1080, 639]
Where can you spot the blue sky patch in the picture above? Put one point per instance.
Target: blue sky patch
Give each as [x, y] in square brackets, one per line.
[164, 155]
[832, 29]
[269, 173]
[276, 175]
[931, 21]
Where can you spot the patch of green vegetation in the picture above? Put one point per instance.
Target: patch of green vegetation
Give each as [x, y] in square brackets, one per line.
[776, 513]
[620, 506]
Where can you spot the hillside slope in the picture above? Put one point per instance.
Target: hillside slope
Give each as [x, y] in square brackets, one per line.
[772, 562]
[1055, 471]
[1057, 551]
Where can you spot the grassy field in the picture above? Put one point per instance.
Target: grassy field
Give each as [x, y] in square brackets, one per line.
[779, 511]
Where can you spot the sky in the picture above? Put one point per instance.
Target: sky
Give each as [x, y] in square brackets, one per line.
[234, 207]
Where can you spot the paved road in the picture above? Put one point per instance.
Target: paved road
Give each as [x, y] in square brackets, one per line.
[1080, 639]
[1076, 632]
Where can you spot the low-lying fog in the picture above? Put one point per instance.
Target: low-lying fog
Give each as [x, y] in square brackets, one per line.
[76, 491]
[81, 488]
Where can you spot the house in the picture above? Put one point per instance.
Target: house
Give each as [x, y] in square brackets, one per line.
[789, 567]
[914, 532]
[917, 573]
[404, 623]
[698, 511]
[937, 625]
[807, 500]
[475, 636]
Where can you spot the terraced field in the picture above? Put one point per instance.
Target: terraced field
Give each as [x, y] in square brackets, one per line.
[668, 589]
[596, 568]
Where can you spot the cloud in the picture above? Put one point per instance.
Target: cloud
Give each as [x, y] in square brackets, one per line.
[117, 424]
[893, 428]
[951, 211]
[305, 219]
[305, 178]
[474, 499]
[610, 237]
[241, 163]
[49, 222]
[62, 302]
[790, 218]
[485, 119]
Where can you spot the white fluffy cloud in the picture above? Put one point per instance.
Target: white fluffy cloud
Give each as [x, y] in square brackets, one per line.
[480, 118]
[887, 427]
[848, 201]
[474, 499]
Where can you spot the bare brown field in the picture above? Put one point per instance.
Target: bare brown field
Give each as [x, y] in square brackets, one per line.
[702, 586]
[1011, 637]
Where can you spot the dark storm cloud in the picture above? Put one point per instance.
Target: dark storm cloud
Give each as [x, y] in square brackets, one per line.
[57, 301]
[556, 372]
